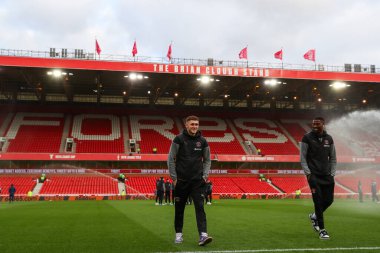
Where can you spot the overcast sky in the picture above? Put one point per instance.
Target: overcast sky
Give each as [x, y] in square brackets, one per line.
[341, 31]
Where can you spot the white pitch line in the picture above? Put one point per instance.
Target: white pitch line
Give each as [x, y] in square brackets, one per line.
[278, 250]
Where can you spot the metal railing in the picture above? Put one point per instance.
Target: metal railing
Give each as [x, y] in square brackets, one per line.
[83, 55]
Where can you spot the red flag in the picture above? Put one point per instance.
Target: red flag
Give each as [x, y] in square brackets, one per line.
[169, 54]
[278, 55]
[134, 49]
[97, 47]
[310, 55]
[243, 53]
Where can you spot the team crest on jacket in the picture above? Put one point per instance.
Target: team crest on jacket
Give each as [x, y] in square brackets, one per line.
[326, 143]
[198, 144]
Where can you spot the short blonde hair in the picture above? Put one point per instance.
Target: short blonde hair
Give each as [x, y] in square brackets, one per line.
[192, 117]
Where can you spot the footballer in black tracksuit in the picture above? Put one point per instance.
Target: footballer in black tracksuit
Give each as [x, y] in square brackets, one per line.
[318, 160]
[189, 164]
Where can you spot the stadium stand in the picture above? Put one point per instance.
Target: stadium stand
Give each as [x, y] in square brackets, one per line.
[35, 132]
[252, 185]
[23, 184]
[79, 185]
[95, 133]
[144, 185]
[106, 133]
[265, 135]
[351, 182]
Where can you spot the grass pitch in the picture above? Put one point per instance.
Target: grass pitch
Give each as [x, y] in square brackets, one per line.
[140, 226]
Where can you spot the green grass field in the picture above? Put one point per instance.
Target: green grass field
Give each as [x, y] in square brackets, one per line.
[140, 226]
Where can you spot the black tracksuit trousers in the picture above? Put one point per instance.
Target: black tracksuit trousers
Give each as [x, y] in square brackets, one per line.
[196, 190]
[322, 190]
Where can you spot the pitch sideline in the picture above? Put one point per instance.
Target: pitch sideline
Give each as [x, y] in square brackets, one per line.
[279, 250]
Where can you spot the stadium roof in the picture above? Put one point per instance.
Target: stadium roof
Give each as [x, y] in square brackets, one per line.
[233, 84]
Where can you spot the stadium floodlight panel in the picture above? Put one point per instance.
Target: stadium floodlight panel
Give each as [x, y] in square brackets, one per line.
[271, 82]
[135, 76]
[56, 73]
[207, 79]
[339, 85]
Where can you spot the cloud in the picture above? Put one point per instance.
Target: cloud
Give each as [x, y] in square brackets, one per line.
[342, 31]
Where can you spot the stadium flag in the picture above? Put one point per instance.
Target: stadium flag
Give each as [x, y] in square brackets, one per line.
[244, 53]
[278, 55]
[169, 54]
[134, 49]
[97, 47]
[310, 55]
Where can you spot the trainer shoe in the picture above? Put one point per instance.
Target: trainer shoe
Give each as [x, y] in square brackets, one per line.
[314, 223]
[323, 234]
[204, 239]
[178, 238]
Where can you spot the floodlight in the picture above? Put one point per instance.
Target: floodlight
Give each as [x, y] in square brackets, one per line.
[133, 76]
[205, 79]
[339, 85]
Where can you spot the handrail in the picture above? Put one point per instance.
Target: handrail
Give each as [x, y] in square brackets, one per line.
[83, 55]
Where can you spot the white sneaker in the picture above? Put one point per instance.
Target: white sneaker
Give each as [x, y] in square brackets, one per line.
[178, 238]
[204, 239]
[208, 203]
[323, 234]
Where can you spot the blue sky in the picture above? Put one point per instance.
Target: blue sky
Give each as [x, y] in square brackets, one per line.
[342, 31]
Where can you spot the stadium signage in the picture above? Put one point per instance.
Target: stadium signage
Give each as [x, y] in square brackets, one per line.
[185, 69]
[39, 171]
[64, 157]
[207, 70]
[163, 157]
[257, 158]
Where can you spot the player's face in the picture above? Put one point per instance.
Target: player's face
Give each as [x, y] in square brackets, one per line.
[192, 126]
[317, 126]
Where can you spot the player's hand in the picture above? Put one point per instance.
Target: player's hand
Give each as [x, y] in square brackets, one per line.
[174, 182]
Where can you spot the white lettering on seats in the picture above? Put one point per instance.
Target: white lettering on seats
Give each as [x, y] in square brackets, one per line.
[305, 124]
[241, 123]
[220, 128]
[163, 125]
[20, 120]
[77, 127]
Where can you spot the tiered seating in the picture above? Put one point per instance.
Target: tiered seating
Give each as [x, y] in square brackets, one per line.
[97, 134]
[265, 135]
[153, 132]
[297, 129]
[79, 185]
[103, 133]
[22, 184]
[220, 137]
[224, 185]
[365, 141]
[253, 185]
[138, 185]
[291, 184]
[352, 182]
[35, 132]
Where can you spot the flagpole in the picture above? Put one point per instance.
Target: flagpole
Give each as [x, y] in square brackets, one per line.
[134, 43]
[282, 57]
[247, 55]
